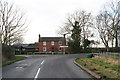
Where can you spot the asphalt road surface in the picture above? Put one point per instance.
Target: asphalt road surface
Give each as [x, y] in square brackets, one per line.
[48, 66]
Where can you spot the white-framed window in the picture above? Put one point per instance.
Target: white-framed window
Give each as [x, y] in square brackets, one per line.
[60, 42]
[52, 42]
[60, 49]
[44, 43]
[23, 49]
[44, 49]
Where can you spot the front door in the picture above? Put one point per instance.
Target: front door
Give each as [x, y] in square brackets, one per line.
[52, 49]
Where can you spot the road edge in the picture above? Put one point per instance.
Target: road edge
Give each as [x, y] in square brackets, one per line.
[96, 76]
[12, 61]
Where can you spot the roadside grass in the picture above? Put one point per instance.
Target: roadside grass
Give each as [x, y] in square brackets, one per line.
[114, 55]
[17, 58]
[100, 67]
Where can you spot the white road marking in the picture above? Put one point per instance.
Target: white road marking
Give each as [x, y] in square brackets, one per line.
[19, 67]
[19, 62]
[37, 74]
[42, 62]
[24, 64]
[26, 56]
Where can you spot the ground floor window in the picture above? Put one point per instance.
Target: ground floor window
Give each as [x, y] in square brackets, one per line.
[60, 49]
[44, 49]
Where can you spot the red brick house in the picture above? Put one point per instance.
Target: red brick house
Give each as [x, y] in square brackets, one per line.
[51, 44]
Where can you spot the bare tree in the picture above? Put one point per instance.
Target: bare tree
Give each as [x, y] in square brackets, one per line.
[94, 43]
[102, 20]
[112, 10]
[12, 23]
[85, 22]
[108, 24]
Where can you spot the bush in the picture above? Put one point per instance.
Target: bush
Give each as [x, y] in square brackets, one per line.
[24, 52]
[7, 52]
[114, 49]
[88, 50]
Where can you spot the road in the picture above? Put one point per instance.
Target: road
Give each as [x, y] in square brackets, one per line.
[49, 66]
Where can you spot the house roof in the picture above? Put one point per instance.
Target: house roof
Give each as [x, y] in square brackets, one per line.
[19, 45]
[51, 39]
[32, 46]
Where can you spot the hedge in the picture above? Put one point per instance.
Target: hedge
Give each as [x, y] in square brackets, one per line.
[7, 52]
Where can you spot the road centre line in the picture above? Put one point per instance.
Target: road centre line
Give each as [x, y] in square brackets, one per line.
[42, 62]
[36, 76]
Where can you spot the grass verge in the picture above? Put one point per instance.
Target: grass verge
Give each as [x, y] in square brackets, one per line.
[17, 58]
[104, 69]
[115, 55]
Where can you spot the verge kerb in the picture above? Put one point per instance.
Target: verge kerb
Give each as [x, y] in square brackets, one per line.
[96, 76]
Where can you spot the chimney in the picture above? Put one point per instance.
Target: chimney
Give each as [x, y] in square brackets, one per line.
[39, 38]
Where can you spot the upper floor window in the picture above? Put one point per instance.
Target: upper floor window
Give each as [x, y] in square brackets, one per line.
[52, 42]
[44, 43]
[60, 42]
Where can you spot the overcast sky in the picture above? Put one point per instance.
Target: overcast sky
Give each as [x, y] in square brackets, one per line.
[45, 16]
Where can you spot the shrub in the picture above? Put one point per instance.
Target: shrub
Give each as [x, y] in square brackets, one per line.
[7, 52]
